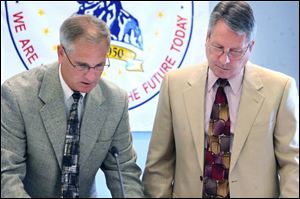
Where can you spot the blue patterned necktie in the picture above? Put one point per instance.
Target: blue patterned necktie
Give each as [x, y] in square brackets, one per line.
[70, 166]
[218, 147]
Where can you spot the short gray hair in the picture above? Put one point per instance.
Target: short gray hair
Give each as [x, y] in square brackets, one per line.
[238, 15]
[88, 27]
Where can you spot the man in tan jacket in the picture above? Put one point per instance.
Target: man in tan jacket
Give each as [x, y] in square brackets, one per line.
[264, 122]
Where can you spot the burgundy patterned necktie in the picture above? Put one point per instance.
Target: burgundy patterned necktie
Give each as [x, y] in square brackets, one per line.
[217, 147]
[70, 166]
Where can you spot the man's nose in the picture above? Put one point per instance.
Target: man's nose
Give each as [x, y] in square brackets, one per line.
[224, 58]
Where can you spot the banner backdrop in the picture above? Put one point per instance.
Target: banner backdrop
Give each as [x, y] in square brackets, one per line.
[148, 40]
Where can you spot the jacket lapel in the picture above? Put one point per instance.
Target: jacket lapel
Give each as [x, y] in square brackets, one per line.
[92, 122]
[53, 112]
[194, 99]
[250, 104]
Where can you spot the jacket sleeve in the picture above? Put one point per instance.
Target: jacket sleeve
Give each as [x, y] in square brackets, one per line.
[287, 141]
[13, 146]
[159, 172]
[130, 171]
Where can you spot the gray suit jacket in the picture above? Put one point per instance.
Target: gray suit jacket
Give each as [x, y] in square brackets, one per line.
[265, 137]
[33, 125]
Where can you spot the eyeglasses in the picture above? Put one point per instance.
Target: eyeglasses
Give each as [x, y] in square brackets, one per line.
[85, 67]
[233, 54]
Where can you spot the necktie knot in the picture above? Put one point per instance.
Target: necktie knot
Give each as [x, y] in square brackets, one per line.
[76, 96]
[222, 82]
[220, 97]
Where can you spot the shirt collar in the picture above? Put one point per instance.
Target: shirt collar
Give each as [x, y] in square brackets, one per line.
[235, 82]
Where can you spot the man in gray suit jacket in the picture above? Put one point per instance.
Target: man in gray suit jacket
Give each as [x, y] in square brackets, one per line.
[34, 111]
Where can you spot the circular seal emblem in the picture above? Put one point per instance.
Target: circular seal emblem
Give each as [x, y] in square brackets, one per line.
[148, 38]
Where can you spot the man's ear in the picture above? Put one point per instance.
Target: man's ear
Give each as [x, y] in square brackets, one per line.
[60, 53]
[207, 37]
[251, 45]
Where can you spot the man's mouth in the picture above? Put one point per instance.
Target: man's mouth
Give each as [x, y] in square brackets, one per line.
[85, 83]
[222, 67]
